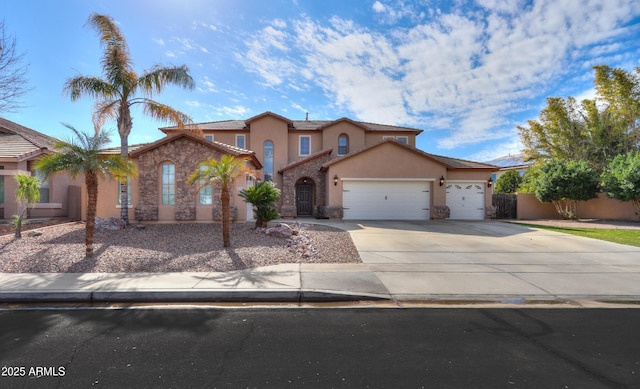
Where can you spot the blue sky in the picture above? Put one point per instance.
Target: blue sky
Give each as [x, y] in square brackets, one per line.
[466, 72]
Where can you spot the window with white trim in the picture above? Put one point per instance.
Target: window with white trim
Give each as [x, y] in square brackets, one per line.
[240, 141]
[304, 145]
[44, 187]
[168, 184]
[343, 144]
[205, 195]
[209, 137]
[403, 139]
[129, 201]
[268, 160]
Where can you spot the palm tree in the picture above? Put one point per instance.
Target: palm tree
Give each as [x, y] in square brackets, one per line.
[222, 173]
[82, 156]
[27, 194]
[116, 93]
[263, 198]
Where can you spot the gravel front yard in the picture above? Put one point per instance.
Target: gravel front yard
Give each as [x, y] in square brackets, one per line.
[193, 247]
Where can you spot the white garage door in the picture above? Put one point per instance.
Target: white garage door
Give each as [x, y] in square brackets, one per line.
[385, 200]
[466, 200]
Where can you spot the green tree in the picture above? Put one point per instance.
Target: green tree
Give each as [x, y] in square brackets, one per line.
[81, 156]
[564, 183]
[621, 178]
[222, 173]
[592, 130]
[27, 194]
[116, 93]
[263, 197]
[508, 182]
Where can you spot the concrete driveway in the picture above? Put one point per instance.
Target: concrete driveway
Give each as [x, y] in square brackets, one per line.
[495, 261]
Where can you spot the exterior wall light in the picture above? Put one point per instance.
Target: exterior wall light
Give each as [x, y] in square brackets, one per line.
[490, 182]
[441, 180]
[335, 180]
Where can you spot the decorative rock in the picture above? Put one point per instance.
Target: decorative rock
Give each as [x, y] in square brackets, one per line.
[280, 231]
[111, 224]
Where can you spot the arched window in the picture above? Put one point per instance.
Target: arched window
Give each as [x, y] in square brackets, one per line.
[343, 144]
[268, 160]
[168, 183]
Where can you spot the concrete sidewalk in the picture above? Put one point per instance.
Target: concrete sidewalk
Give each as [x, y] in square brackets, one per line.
[402, 262]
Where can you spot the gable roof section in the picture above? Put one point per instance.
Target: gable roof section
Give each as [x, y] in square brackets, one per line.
[450, 163]
[20, 142]
[224, 148]
[305, 160]
[269, 113]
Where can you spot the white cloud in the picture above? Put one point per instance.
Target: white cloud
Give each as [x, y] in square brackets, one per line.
[159, 41]
[207, 86]
[468, 73]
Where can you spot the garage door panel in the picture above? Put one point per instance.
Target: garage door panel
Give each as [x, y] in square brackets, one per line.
[466, 200]
[384, 200]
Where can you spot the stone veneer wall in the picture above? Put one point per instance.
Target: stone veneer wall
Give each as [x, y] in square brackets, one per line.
[440, 212]
[186, 154]
[310, 169]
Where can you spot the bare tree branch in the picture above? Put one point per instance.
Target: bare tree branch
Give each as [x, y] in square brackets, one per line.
[13, 73]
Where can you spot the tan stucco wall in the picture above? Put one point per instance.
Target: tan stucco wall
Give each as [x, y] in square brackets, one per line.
[356, 136]
[530, 208]
[58, 187]
[275, 130]
[386, 161]
[375, 137]
[294, 143]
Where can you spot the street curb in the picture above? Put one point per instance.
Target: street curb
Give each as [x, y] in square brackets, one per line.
[158, 296]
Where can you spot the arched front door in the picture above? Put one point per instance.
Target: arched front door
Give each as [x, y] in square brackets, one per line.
[304, 197]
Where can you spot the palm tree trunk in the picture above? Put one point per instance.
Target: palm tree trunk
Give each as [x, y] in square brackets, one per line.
[91, 181]
[125, 123]
[226, 215]
[124, 191]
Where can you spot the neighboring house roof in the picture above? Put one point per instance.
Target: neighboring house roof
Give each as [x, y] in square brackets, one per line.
[116, 150]
[224, 148]
[511, 161]
[20, 142]
[450, 163]
[299, 125]
[305, 160]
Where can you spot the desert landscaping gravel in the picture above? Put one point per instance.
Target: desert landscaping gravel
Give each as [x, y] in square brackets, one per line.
[188, 247]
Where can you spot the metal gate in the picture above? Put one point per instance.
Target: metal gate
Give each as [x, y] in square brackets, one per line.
[506, 206]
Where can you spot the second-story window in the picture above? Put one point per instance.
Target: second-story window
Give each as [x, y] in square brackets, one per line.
[402, 139]
[305, 145]
[343, 144]
[240, 141]
[268, 160]
[209, 138]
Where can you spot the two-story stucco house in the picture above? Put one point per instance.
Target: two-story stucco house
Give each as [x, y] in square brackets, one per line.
[325, 168]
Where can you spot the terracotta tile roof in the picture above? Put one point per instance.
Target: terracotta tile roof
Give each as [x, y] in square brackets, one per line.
[300, 125]
[450, 163]
[17, 141]
[456, 163]
[225, 148]
[116, 150]
[305, 160]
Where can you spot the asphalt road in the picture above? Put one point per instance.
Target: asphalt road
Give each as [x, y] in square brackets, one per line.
[320, 348]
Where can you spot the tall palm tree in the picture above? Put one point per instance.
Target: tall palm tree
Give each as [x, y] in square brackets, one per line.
[221, 172]
[117, 91]
[27, 194]
[82, 156]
